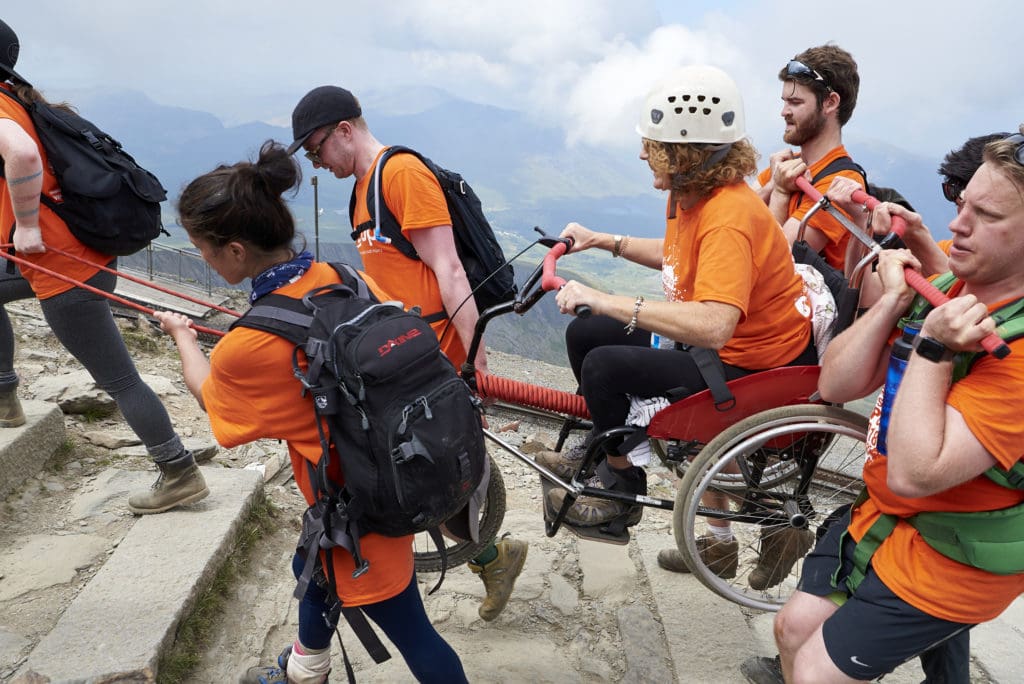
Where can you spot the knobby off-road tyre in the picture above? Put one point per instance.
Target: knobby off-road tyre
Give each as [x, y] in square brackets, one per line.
[826, 443]
[492, 514]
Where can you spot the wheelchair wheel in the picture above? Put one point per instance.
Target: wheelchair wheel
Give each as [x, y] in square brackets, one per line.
[774, 521]
[492, 514]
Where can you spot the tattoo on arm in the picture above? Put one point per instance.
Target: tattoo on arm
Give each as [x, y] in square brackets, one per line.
[25, 179]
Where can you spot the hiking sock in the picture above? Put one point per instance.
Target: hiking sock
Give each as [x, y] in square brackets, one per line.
[308, 665]
[487, 555]
[722, 534]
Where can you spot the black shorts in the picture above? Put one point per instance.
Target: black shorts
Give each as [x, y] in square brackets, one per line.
[874, 631]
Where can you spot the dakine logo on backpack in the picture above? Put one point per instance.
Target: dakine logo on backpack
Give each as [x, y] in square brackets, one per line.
[107, 200]
[490, 277]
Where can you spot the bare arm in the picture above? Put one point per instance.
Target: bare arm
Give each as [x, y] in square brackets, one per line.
[195, 367]
[705, 324]
[436, 247]
[931, 448]
[644, 251]
[856, 360]
[23, 169]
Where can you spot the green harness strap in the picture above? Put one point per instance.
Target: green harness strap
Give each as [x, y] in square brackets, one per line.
[989, 540]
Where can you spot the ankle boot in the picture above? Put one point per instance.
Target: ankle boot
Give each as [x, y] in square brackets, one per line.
[11, 414]
[180, 482]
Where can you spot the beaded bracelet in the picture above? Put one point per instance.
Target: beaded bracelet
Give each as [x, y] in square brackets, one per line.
[637, 305]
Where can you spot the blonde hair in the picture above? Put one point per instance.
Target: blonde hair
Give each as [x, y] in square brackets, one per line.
[684, 164]
[1002, 155]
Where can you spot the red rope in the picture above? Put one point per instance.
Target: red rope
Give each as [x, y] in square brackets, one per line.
[90, 288]
[525, 394]
[142, 281]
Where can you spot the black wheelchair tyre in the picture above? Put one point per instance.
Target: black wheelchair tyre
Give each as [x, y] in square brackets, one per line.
[492, 514]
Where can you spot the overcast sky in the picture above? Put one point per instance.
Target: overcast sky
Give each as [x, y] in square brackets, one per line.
[932, 73]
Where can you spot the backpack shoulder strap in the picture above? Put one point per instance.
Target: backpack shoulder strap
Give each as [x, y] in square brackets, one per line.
[382, 221]
[844, 163]
[280, 315]
[351, 278]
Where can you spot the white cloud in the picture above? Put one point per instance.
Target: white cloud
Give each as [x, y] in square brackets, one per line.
[931, 75]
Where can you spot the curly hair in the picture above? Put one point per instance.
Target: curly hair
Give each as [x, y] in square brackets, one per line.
[684, 164]
[839, 70]
[1003, 155]
[243, 201]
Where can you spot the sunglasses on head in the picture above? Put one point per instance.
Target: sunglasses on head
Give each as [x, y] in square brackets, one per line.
[953, 190]
[798, 68]
[1018, 139]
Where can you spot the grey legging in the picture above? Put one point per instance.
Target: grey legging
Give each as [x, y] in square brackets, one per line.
[84, 324]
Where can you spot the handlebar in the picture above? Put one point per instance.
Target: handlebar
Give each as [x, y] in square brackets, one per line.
[551, 281]
[992, 343]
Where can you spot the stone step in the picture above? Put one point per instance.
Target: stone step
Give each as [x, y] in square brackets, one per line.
[26, 449]
[124, 619]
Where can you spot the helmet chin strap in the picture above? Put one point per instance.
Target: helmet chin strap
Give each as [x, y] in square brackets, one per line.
[718, 155]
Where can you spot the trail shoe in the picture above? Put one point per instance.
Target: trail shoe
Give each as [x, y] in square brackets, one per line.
[499, 576]
[180, 482]
[590, 511]
[781, 548]
[762, 670]
[11, 414]
[263, 674]
[722, 558]
[562, 463]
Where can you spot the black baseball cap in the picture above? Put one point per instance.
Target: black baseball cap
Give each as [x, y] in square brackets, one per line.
[319, 107]
[9, 47]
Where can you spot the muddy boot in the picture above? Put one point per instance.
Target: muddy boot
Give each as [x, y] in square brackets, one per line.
[180, 482]
[721, 557]
[781, 548]
[499, 576]
[11, 414]
[589, 511]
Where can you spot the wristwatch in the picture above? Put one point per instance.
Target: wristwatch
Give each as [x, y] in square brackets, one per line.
[931, 349]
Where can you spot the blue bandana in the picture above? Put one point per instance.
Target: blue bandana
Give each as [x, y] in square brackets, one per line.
[279, 275]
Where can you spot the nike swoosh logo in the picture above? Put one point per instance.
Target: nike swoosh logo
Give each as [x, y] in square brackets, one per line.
[855, 661]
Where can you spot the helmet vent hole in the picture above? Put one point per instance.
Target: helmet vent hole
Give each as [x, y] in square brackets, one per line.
[679, 110]
[693, 110]
[686, 98]
[671, 98]
[701, 98]
[728, 118]
[716, 100]
[706, 111]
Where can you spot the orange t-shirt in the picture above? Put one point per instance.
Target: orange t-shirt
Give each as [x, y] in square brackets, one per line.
[251, 394]
[728, 248]
[914, 571]
[55, 232]
[414, 196]
[800, 204]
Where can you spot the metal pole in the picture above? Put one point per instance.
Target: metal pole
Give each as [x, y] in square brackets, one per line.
[316, 215]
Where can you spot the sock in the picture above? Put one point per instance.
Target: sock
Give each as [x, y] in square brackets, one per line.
[723, 534]
[308, 665]
[487, 555]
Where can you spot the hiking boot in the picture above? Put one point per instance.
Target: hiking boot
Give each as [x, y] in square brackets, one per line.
[722, 558]
[762, 670]
[562, 463]
[590, 511]
[178, 484]
[269, 674]
[11, 414]
[781, 548]
[499, 576]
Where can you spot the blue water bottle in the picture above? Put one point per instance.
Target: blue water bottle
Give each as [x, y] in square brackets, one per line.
[901, 349]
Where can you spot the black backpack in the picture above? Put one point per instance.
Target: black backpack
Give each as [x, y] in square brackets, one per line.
[490, 276]
[109, 202]
[405, 427]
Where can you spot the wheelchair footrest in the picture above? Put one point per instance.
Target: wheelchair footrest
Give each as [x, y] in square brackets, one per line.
[599, 533]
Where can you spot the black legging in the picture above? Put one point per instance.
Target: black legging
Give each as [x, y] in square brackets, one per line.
[82, 322]
[609, 364]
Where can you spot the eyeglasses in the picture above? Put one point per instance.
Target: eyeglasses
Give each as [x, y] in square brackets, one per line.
[1019, 154]
[313, 155]
[953, 190]
[798, 68]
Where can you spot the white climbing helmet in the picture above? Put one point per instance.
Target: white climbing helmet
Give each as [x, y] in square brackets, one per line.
[694, 104]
